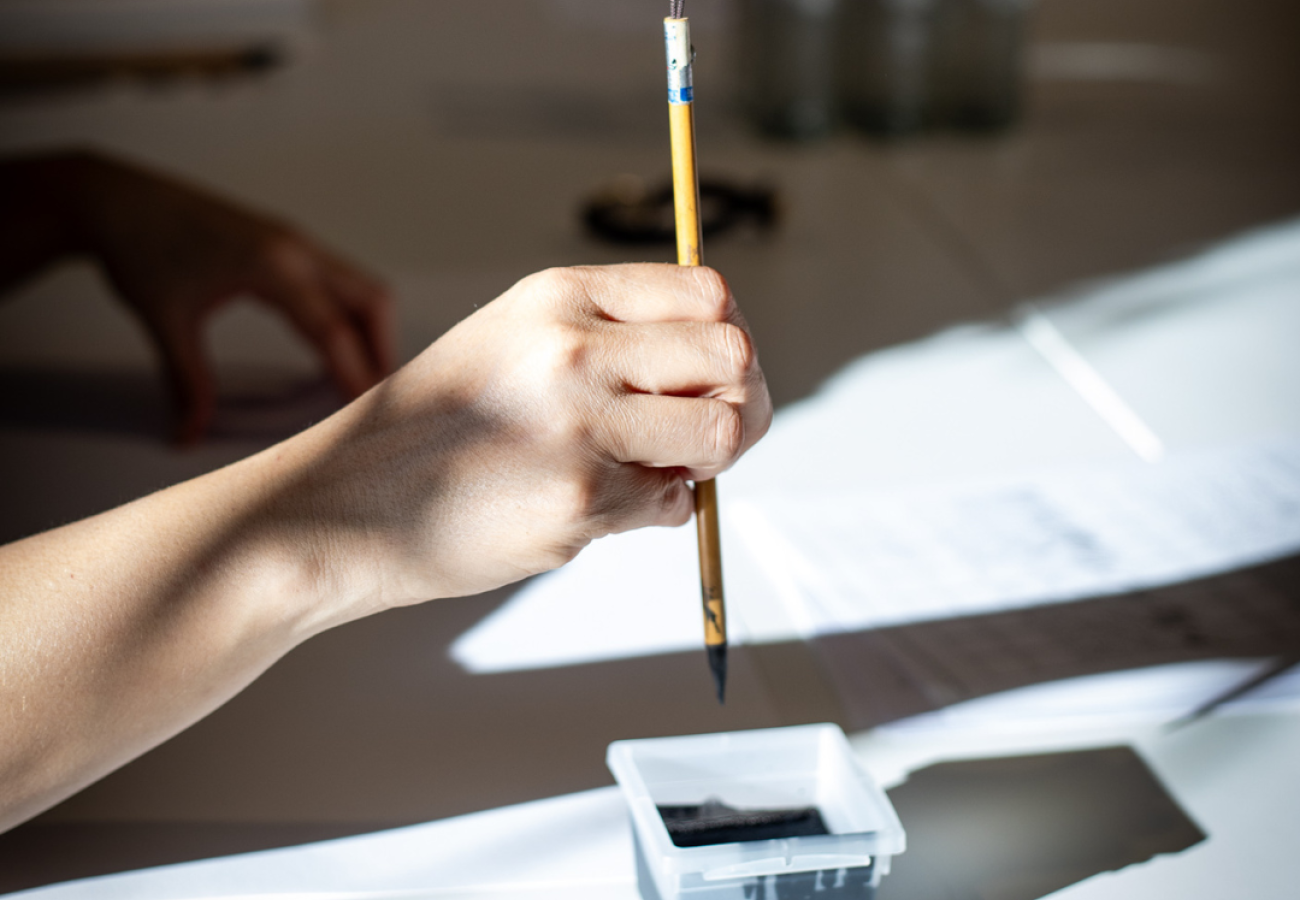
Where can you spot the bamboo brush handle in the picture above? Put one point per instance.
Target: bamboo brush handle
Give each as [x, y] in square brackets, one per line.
[706, 523]
[686, 205]
[686, 185]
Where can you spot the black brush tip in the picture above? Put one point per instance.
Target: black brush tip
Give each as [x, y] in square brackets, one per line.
[676, 8]
[718, 666]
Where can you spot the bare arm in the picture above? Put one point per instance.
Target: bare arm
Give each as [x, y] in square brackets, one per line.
[576, 405]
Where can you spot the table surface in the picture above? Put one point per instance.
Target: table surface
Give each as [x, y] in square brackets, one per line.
[449, 147]
[580, 845]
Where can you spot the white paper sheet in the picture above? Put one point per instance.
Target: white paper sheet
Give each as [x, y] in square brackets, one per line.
[873, 559]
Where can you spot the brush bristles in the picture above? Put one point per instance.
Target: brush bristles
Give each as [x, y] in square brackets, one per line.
[676, 9]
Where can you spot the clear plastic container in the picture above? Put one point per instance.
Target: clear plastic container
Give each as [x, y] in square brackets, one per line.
[770, 769]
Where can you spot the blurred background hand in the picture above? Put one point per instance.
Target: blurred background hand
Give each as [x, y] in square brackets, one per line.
[175, 253]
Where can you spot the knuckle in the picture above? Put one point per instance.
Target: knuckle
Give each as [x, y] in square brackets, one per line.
[738, 349]
[563, 352]
[714, 292]
[548, 430]
[282, 250]
[555, 284]
[728, 432]
[674, 502]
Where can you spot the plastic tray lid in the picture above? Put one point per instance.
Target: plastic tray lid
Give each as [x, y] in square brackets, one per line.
[805, 765]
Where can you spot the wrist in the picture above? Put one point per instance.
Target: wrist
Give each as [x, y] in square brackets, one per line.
[303, 537]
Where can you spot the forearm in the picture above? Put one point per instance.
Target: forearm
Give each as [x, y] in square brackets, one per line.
[121, 630]
[574, 406]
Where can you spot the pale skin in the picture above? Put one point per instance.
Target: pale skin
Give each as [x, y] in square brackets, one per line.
[579, 403]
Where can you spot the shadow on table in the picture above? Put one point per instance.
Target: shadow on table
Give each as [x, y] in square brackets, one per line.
[885, 674]
[257, 405]
[1019, 828]
[39, 853]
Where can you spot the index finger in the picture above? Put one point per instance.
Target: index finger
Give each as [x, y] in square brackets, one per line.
[660, 292]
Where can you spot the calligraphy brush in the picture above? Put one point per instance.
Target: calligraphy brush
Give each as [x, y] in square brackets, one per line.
[686, 204]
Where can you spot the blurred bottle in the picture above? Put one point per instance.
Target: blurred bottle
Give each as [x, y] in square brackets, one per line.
[890, 67]
[885, 51]
[978, 63]
[787, 65]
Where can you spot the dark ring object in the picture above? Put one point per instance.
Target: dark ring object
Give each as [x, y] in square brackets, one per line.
[641, 216]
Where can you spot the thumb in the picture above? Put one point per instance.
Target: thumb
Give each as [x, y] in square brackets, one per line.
[189, 377]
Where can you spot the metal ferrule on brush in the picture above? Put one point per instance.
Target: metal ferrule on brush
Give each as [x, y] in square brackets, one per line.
[677, 49]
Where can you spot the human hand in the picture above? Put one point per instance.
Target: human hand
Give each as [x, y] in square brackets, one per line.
[175, 254]
[575, 405]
